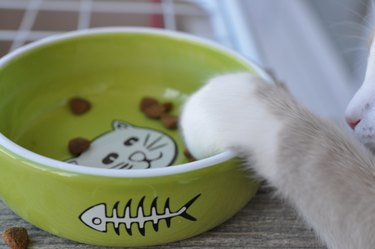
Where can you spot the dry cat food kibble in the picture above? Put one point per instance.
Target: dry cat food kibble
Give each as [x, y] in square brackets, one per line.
[146, 102]
[168, 106]
[78, 145]
[154, 111]
[79, 105]
[16, 237]
[152, 108]
[169, 121]
[189, 156]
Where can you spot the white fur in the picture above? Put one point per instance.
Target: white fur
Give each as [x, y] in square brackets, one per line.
[362, 107]
[325, 174]
[225, 114]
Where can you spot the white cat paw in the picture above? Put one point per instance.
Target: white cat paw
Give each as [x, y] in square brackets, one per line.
[227, 113]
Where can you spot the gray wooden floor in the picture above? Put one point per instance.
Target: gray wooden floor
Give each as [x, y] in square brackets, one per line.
[265, 222]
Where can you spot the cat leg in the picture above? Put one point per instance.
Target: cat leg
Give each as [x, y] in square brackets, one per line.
[323, 172]
[224, 114]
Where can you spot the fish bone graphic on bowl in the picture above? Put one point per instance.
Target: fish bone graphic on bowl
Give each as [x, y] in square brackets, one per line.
[95, 217]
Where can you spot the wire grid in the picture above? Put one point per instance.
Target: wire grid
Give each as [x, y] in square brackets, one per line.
[24, 21]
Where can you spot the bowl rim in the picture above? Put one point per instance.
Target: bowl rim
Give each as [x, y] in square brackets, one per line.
[9, 147]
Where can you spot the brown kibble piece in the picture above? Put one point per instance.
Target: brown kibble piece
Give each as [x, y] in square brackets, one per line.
[168, 106]
[189, 156]
[147, 102]
[79, 105]
[16, 237]
[169, 121]
[154, 111]
[78, 145]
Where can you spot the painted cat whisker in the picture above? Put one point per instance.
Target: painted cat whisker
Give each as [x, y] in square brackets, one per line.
[122, 166]
[125, 166]
[157, 147]
[155, 141]
[146, 139]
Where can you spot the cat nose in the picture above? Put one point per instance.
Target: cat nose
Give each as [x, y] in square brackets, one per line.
[352, 122]
[354, 112]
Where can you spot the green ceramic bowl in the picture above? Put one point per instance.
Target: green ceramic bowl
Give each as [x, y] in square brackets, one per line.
[113, 203]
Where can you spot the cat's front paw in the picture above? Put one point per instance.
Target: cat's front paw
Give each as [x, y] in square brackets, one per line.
[229, 112]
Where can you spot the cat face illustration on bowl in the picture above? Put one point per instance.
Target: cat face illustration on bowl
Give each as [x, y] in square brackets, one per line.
[129, 147]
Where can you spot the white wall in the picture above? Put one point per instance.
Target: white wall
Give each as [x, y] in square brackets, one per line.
[299, 46]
